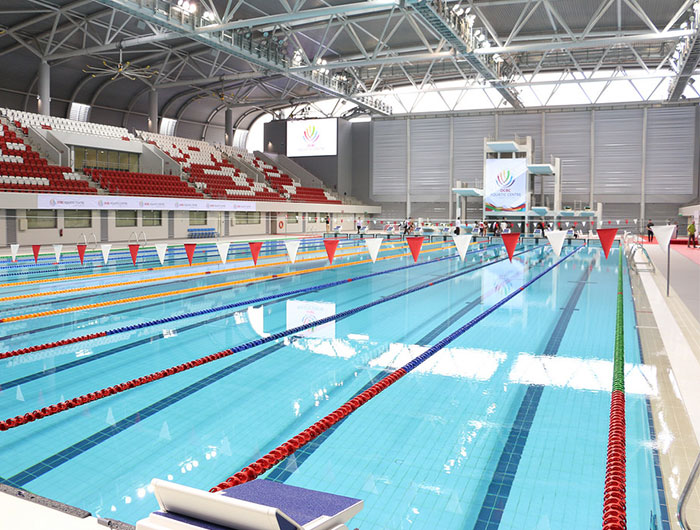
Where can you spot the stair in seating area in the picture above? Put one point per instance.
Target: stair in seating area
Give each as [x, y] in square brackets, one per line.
[22, 169]
[210, 170]
[128, 183]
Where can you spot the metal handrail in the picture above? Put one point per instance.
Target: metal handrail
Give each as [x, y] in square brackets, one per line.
[680, 514]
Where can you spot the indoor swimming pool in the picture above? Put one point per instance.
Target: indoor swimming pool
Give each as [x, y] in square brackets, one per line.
[506, 427]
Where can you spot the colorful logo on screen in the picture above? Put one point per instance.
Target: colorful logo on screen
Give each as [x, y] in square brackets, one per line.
[311, 135]
[505, 179]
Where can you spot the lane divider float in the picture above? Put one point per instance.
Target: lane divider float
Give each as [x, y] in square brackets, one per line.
[198, 289]
[614, 497]
[133, 383]
[252, 301]
[164, 278]
[281, 452]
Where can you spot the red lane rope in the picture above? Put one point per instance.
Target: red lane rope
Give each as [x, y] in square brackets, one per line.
[278, 454]
[614, 498]
[266, 462]
[105, 392]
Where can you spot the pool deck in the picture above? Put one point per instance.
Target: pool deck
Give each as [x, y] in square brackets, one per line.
[23, 511]
[669, 330]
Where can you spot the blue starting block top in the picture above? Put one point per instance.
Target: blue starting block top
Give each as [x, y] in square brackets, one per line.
[255, 505]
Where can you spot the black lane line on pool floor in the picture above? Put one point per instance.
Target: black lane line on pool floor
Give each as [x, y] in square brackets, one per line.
[496, 497]
[213, 273]
[169, 300]
[118, 349]
[78, 448]
[145, 340]
[286, 468]
[74, 450]
[388, 271]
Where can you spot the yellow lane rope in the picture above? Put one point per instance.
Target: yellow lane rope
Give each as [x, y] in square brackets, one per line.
[208, 287]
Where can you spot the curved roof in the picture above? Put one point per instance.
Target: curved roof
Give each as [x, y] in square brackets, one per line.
[373, 45]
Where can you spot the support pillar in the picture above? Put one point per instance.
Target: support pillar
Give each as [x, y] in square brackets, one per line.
[44, 99]
[153, 111]
[228, 127]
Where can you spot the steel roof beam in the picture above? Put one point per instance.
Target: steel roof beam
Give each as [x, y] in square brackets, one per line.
[446, 29]
[164, 14]
[686, 67]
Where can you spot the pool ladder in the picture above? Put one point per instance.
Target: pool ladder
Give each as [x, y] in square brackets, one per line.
[692, 478]
[647, 266]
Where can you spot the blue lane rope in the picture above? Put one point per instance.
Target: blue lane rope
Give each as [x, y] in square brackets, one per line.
[452, 336]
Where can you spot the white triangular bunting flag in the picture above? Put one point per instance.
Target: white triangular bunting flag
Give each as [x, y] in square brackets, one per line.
[635, 221]
[617, 221]
[106, 247]
[161, 248]
[462, 244]
[57, 252]
[567, 224]
[292, 249]
[373, 244]
[663, 234]
[556, 239]
[223, 250]
[13, 250]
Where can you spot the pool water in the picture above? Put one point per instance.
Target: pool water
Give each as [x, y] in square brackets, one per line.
[504, 428]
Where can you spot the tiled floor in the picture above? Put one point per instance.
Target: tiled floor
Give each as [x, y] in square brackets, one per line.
[676, 416]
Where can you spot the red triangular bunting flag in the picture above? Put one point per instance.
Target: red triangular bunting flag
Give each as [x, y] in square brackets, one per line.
[607, 236]
[134, 249]
[331, 246]
[510, 241]
[415, 244]
[81, 252]
[35, 249]
[255, 247]
[189, 249]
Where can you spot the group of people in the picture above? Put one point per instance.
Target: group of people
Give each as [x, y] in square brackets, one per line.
[692, 232]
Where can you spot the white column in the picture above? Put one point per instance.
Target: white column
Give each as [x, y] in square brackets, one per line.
[642, 205]
[228, 127]
[153, 111]
[592, 180]
[408, 168]
[44, 99]
[451, 176]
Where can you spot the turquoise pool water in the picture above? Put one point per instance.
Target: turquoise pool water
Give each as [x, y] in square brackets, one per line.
[505, 428]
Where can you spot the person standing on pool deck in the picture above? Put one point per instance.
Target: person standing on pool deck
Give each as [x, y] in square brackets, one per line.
[650, 232]
[691, 234]
[328, 223]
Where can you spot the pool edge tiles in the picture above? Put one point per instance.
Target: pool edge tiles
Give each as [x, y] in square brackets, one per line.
[664, 514]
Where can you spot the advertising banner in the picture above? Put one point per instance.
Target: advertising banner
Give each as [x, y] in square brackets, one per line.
[111, 202]
[505, 185]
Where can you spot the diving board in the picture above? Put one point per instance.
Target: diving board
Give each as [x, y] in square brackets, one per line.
[255, 505]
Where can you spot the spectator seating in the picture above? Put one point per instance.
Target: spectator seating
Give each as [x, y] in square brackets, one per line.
[210, 170]
[22, 169]
[128, 183]
[284, 185]
[40, 122]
